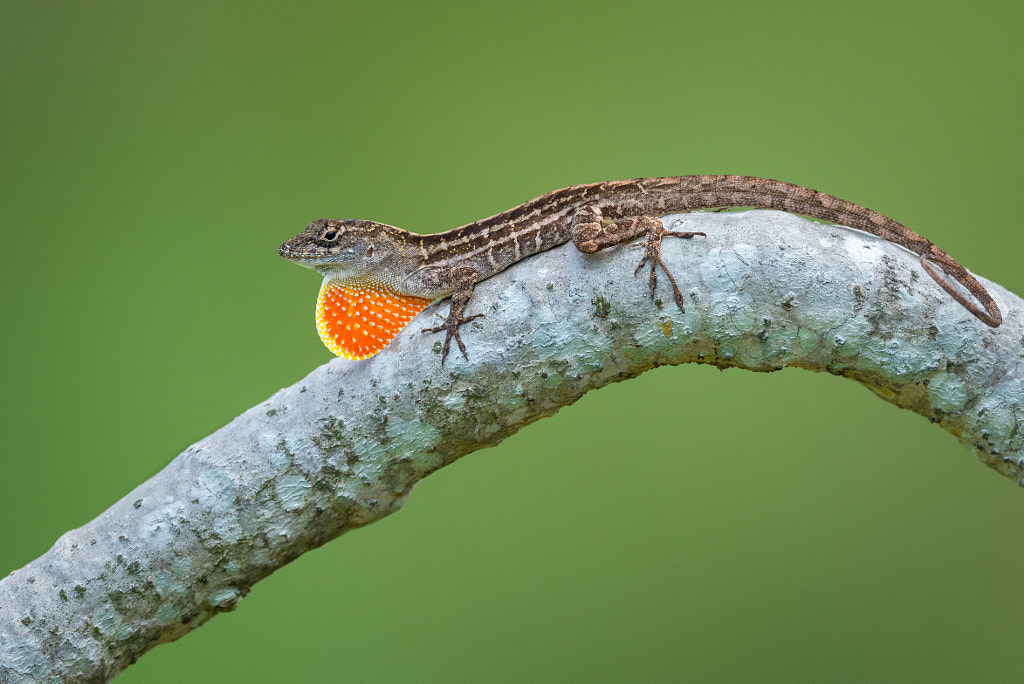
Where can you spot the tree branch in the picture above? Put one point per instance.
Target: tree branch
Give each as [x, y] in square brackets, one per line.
[345, 446]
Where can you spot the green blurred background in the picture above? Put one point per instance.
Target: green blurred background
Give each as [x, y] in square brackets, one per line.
[690, 524]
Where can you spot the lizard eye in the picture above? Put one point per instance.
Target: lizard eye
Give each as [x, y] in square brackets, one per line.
[330, 235]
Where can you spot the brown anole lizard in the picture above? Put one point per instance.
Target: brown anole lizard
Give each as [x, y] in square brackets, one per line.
[378, 277]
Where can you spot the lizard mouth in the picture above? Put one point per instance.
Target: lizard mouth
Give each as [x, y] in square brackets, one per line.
[296, 252]
[299, 255]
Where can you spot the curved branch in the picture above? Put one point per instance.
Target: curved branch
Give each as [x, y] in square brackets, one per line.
[345, 446]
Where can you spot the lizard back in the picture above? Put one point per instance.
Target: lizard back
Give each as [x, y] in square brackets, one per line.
[493, 244]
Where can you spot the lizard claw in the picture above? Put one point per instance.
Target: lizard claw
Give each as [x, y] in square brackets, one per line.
[451, 329]
[652, 255]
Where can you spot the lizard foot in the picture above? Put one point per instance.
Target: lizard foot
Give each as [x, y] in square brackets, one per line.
[652, 255]
[590, 234]
[465, 281]
[451, 328]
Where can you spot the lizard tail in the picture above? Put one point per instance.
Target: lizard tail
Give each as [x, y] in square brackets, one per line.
[990, 315]
[733, 191]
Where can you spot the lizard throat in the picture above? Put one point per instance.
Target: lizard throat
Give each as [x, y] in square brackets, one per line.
[357, 321]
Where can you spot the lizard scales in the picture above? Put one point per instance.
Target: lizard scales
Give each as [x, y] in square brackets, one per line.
[378, 277]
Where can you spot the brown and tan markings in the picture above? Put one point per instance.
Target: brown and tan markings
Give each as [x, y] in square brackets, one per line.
[378, 277]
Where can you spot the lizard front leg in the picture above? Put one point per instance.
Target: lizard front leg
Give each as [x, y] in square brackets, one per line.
[465, 282]
[590, 234]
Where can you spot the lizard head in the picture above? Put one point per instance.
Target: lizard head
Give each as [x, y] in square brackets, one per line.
[346, 249]
[361, 306]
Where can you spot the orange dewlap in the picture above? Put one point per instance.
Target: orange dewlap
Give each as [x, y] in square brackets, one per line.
[356, 322]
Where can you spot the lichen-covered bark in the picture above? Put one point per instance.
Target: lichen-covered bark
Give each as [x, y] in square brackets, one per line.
[344, 446]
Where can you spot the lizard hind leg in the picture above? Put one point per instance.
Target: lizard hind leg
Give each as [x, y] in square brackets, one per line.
[590, 234]
[465, 282]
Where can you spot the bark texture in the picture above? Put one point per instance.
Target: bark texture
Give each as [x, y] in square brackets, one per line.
[345, 446]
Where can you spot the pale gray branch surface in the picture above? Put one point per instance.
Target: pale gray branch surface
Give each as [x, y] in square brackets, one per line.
[345, 446]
